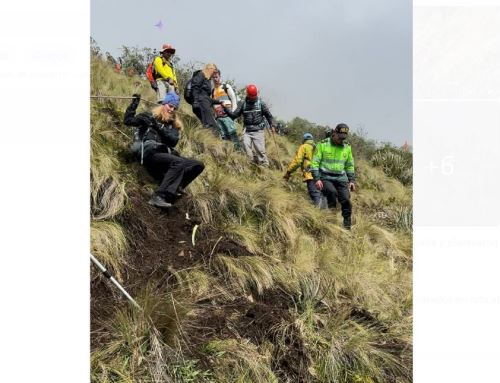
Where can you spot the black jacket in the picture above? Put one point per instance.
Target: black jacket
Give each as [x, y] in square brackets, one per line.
[254, 112]
[202, 89]
[151, 135]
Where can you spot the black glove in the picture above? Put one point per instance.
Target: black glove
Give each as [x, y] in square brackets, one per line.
[145, 120]
[137, 97]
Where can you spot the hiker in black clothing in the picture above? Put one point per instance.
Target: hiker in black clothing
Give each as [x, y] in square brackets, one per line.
[202, 97]
[154, 141]
[256, 116]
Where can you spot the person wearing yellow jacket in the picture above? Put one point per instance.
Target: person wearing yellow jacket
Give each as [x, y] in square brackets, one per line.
[303, 159]
[164, 73]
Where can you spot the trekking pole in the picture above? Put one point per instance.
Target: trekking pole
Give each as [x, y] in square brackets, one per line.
[124, 98]
[130, 98]
[112, 279]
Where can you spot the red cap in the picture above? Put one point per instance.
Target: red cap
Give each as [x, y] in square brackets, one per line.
[251, 91]
[168, 48]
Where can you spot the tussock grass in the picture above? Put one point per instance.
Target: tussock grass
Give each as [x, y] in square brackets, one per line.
[108, 182]
[253, 273]
[144, 342]
[328, 273]
[108, 243]
[395, 163]
[240, 361]
[200, 285]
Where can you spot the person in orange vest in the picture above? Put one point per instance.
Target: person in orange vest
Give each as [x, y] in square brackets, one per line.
[303, 159]
[224, 92]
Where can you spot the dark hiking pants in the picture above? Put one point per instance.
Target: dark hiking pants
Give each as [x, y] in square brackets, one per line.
[172, 171]
[337, 189]
[204, 111]
[314, 193]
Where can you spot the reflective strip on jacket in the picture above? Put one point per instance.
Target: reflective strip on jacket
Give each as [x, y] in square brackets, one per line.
[333, 162]
[164, 69]
[303, 159]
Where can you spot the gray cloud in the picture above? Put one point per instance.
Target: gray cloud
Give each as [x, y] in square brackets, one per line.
[326, 61]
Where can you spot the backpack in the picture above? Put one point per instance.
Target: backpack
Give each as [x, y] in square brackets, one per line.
[188, 89]
[150, 74]
[259, 109]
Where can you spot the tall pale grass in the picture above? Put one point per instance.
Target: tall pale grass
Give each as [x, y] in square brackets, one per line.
[291, 247]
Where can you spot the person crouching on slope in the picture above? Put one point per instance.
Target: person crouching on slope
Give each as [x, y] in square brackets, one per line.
[225, 94]
[333, 170]
[156, 136]
[254, 110]
[303, 159]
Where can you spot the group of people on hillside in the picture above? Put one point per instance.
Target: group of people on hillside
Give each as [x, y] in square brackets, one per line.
[328, 167]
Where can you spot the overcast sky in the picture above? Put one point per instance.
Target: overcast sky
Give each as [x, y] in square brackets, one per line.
[328, 61]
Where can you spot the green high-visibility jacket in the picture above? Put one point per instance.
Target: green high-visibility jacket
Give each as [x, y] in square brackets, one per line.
[333, 162]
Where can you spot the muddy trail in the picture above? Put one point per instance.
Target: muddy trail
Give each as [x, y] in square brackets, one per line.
[160, 243]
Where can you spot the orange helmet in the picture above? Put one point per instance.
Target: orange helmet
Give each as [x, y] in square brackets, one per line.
[251, 91]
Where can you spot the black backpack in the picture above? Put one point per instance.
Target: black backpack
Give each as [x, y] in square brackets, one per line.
[188, 89]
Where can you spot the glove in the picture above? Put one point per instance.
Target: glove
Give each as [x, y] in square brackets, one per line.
[145, 120]
[137, 97]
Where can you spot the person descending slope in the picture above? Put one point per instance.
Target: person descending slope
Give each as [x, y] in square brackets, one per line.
[332, 168]
[202, 97]
[225, 94]
[303, 159]
[164, 73]
[254, 111]
[154, 141]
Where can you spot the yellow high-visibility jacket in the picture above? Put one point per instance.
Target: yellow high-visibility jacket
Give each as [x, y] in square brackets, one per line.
[164, 69]
[303, 159]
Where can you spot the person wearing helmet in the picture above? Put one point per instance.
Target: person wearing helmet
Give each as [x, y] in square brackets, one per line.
[332, 168]
[255, 113]
[164, 73]
[303, 159]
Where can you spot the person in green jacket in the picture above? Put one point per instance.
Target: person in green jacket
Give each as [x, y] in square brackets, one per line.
[332, 168]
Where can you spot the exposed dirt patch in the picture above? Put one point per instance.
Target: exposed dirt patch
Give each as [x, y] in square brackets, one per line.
[259, 319]
[160, 242]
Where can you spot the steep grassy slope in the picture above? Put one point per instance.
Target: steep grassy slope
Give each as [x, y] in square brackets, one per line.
[273, 290]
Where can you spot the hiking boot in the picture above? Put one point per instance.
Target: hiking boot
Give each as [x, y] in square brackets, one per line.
[158, 201]
[347, 223]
